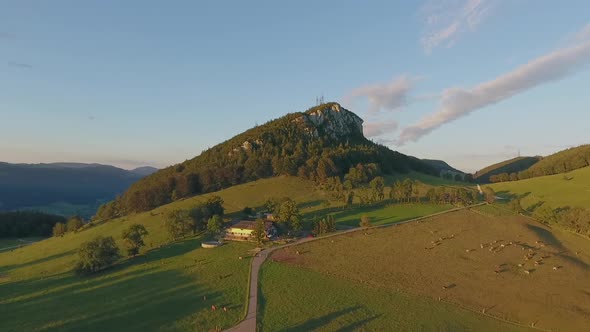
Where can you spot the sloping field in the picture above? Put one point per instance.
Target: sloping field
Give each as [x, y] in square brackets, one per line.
[441, 258]
[570, 189]
[170, 287]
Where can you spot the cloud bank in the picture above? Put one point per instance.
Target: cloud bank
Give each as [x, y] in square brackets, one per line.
[385, 96]
[456, 102]
[373, 129]
[446, 20]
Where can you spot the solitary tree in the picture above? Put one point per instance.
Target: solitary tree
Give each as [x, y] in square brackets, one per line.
[133, 238]
[97, 254]
[365, 221]
[74, 223]
[179, 224]
[59, 229]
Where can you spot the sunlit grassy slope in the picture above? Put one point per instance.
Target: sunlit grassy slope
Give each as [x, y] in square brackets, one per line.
[570, 189]
[163, 289]
[168, 287]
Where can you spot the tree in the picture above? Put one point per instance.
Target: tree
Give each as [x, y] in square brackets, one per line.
[97, 254]
[365, 221]
[431, 195]
[349, 199]
[407, 187]
[179, 224]
[247, 211]
[59, 229]
[378, 184]
[215, 206]
[490, 195]
[74, 223]
[458, 177]
[133, 238]
[215, 225]
[259, 233]
[289, 214]
[515, 205]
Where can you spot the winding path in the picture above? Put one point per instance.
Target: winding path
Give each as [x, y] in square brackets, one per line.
[249, 323]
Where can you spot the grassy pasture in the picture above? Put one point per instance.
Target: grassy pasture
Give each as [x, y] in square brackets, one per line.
[161, 290]
[560, 190]
[13, 242]
[458, 270]
[388, 214]
[301, 299]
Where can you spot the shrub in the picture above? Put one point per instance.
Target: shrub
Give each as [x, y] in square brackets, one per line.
[74, 223]
[97, 254]
[365, 221]
[59, 229]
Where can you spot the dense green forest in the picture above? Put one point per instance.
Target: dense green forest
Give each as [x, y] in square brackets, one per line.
[557, 163]
[27, 223]
[323, 142]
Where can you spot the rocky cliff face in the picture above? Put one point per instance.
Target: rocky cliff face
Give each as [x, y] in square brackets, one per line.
[327, 120]
[332, 120]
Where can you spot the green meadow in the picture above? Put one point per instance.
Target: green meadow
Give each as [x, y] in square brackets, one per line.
[388, 214]
[560, 190]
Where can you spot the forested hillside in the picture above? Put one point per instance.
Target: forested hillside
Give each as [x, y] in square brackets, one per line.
[325, 141]
[504, 169]
[517, 169]
[560, 162]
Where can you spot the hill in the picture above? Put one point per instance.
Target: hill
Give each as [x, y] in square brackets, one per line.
[559, 162]
[559, 190]
[47, 186]
[144, 171]
[324, 141]
[169, 286]
[441, 166]
[508, 167]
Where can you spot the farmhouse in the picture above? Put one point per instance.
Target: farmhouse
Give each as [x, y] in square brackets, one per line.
[244, 230]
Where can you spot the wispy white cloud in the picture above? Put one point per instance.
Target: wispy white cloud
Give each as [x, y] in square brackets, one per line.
[378, 128]
[457, 102]
[384, 96]
[446, 20]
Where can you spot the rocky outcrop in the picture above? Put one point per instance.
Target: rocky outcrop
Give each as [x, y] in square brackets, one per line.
[332, 120]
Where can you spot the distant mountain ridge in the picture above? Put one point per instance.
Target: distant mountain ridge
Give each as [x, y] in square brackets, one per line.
[324, 141]
[27, 185]
[442, 166]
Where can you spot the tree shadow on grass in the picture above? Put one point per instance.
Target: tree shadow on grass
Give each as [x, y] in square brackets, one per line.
[8, 268]
[65, 280]
[549, 238]
[141, 300]
[317, 323]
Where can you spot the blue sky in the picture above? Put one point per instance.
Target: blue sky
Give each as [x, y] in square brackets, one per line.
[151, 82]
